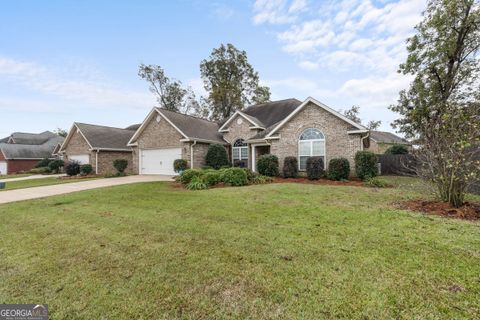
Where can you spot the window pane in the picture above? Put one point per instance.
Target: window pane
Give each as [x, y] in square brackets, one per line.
[304, 148]
[236, 153]
[318, 148]
[239, 143]
[311, 134]
[303, 163]
[244, 153]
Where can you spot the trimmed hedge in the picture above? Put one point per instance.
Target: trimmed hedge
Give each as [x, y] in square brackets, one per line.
[216, 156]
[188, 175]
[290, 167]
[366, 165]
[229, 176]
[72, 168]
[40, 170]
[180, 165]
[43, 163]
[86, 169]
[56, 165]
[315, 168]
[338, 169]
[267, 165]
[235, 177]
[120, 165]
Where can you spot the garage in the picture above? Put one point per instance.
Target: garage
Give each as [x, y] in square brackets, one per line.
[159, 161]
[82, 158]
[3, 168]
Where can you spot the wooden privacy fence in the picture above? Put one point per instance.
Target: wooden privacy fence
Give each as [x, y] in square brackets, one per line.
[396, 164]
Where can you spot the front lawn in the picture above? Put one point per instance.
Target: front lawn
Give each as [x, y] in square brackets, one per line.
[22, 184]
[11, 176]
[289, 251]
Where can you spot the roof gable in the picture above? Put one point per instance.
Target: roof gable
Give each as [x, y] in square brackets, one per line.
[387, 137]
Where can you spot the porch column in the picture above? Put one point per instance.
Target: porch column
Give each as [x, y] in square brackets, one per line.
[254, 155]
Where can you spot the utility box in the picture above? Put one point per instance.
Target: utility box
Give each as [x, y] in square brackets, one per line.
[2, 185]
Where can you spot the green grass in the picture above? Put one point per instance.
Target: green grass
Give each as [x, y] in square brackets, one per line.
[22, 184]
[285, 251]
[11, 176]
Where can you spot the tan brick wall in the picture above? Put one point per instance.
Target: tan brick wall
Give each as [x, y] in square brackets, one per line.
[338, 143]
[78, 146]
[106, 158]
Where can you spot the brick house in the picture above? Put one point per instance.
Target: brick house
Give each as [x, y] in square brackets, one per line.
[98, 146]
[380, 141]
[283, 128]
[21, 151]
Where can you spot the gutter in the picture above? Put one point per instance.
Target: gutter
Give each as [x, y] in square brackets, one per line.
[363, 138]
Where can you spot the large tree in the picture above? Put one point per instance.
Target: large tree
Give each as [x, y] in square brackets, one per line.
[354, 114]
[170, 93]
[231, 82]
[440, 109]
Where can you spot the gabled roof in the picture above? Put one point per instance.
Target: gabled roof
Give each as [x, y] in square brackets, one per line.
[387, 137]
[31, 138]
[30, 151]
[101, 137]
[190, 127]
[270, 113]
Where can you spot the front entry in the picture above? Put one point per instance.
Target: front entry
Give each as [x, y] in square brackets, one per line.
[257, 151]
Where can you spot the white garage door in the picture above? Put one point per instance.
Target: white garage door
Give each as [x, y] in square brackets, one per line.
[159, 161]
[3, 167]
[82, 158]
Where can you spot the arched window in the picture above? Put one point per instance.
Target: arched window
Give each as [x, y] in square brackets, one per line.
[239, 151]
[311, 143]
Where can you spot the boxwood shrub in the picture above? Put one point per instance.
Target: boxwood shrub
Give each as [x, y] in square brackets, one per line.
[365, 164]
[315, 168]
[235, 176]
[216, 156]
[338, 169]
[86, 169]
[180, 165]
[120, 165]
[267, 165]
[188, 175]
[290, 167]
[212, 177]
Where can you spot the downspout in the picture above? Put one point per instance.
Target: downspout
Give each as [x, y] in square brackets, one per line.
[363, 138]
[96, 162]
[191, 153]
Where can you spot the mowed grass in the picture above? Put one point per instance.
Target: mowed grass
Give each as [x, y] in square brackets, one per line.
[11, 176]
[22, 184]
[279, 251]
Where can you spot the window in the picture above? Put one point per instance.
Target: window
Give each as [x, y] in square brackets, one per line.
[240, 151]
[311, 143]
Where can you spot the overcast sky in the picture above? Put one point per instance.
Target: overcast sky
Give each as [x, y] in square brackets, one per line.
[65, 61]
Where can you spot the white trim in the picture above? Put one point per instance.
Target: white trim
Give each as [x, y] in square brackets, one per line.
[191, 153]
[70, 135]
[357, 131]
[254, 154]
[238, 112]
[256, 128]
[96, 161]
[321, 105]
[311, 149]
[111, 149]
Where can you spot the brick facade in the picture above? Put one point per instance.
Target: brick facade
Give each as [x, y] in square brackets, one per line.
[106, 158]
[240, 131]
[338, 143]
[15, 166]
[78, 146]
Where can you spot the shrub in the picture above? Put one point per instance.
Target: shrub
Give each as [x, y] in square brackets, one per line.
[120, 165]
[42, 163]
[56, 165]
[250, 175]
[240, 163]
[197, 183]
[188, 175]
[397, 149]
[86, 169]
[180, 165]
[261, 180]
[216, 156]
[40, 170]
[212, 178]
[234, 176]
[290, 167]
[375, 182]
[338, 169]
[267, 165]
[72, 168]
[315, 168]
[365, 164]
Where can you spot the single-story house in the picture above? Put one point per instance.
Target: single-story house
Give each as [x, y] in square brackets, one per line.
[98, 146]
[21, 151]
[284, 128]
[380, 141]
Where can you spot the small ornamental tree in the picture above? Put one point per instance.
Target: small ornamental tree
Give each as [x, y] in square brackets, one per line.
[216, 156]
[366, 164]
[120, 165]
[397, 149]
[315, 168]
[290, 167]
[267, 165]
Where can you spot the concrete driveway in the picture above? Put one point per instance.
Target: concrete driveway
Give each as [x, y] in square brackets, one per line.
[53, 190]
[33, 177]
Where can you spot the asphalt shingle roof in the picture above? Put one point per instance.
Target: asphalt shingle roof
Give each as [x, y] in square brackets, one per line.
[32, 138]
[387, 137]
[103, 137]
[31, 151]
[194, 127]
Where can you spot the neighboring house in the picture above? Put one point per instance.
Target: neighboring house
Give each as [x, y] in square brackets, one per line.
[98, 146]
[21, 151]
[380, 141]
[283, 128]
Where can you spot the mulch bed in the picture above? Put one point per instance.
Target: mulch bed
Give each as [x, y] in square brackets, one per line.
[354, 182]
[469, 211]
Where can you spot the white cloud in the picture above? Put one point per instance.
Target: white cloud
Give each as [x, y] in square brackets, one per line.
[80, 86]
[308, 65]
[277, 11]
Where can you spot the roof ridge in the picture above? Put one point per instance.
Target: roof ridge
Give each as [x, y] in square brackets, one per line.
[276, 101]
[187, 115]
[99, 125]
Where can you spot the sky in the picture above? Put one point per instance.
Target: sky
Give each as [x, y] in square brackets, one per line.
[66, 61]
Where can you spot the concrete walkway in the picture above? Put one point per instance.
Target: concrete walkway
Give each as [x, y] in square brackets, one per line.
[35, 176]
[47, 191]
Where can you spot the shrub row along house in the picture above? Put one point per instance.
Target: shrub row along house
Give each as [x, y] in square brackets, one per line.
[282, 128]
[21, 151]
